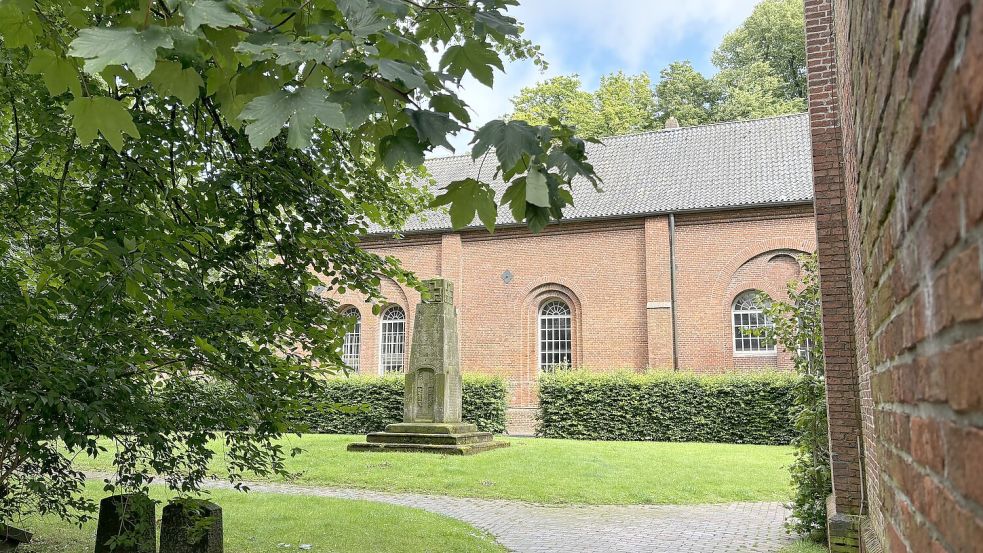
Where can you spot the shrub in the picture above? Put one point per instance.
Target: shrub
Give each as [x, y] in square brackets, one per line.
[667, 406]
[363, 404]
[798, 328]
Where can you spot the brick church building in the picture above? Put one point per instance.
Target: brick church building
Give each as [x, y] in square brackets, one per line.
[660, 270]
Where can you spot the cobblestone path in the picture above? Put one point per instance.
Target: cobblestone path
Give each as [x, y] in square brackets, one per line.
[525, 527]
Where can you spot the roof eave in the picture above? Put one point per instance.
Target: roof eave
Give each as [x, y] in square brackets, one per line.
[639, 215]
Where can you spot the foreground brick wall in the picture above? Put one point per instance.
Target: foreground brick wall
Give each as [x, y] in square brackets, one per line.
[615, 276]
[910, 76]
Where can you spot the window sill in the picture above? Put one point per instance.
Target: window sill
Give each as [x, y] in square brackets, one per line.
[755, 354]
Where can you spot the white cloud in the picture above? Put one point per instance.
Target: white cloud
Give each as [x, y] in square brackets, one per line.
[595, 37]
[632, 30]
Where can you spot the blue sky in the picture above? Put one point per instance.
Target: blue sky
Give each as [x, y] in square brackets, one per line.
[596, 37]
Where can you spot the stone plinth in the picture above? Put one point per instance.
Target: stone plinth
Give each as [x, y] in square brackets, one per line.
[131, 514]
[447, 438]
[192, 527]
[432, 394]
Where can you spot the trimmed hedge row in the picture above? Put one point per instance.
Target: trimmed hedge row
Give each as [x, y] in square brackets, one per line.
[359, 405]
[667, 406]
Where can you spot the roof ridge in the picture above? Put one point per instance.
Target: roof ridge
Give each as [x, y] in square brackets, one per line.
[655, 131]
[706, 125]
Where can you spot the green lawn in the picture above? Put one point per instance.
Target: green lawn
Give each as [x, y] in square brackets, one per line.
[553, 471]
[257, 522]
[805, 546]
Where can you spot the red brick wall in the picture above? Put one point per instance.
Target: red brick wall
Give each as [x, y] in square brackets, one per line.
[720, 256]
[910, 75]
[615, 277]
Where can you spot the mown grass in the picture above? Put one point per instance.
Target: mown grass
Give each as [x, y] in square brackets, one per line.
[257, 522]
[805, 546]
[550, 471]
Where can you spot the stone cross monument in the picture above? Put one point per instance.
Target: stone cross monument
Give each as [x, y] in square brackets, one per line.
[432, 396]
[433, 383]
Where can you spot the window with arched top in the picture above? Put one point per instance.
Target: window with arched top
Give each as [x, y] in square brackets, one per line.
[555, 335]
[352, 343]
[392, 339]
[748, 317]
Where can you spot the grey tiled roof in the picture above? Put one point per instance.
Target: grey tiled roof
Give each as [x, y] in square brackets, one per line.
[726, 165]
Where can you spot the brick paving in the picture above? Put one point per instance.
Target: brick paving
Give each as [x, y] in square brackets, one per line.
[526, 527]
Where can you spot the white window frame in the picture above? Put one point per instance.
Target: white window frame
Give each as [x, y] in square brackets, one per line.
[748, 307]
[560, 322]
[392, 340]
[351, 346]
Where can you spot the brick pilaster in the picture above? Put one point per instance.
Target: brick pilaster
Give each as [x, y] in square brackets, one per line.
[834, 258]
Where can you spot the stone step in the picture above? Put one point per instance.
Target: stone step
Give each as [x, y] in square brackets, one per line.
[432, 428]
[417, 438]
[460, 449]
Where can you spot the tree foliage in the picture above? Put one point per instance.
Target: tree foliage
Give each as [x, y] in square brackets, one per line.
[773, 34]
[181, 176]
[798, 329]
[622, 104]
[761, 73]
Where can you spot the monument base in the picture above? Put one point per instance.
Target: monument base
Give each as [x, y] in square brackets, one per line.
[419, 437]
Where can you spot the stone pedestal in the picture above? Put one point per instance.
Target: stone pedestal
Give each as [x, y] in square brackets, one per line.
[432, 395]
[430, 437]
[130, 514]
[191, 527]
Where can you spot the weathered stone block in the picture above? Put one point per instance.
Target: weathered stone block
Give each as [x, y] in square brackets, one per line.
[191, 527]
[129, 521]
[11, 537]
[433, 381]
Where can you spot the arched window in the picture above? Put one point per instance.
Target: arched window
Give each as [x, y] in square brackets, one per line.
[555, 335]
[353, 339]
[749, 315]
[393, 338]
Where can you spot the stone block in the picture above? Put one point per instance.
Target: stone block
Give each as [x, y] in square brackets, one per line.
[193, 526]
[463, 449]
[130, 521]
[431, 428]
[11, 537]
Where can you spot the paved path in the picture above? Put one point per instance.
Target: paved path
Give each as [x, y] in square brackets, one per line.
[525, 527]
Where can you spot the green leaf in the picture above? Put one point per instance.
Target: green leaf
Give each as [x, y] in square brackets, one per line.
[362, 18]
[452, 105]
[98, 114]
[210, 13]
[494, 20]
[393, 70]
[18, 27]
[515, 196]
[571, 162]
[537, 190]
[467, 197]
[300, 108]
[59, 74]
[137, 50]
[205, 346]
[359, 104]
[404, 147]
[288, 52]
[433, 127]
[511, 141]
[170, 79]
[475, 57]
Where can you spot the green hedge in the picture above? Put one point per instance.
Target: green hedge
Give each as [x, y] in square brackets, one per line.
[359, 405]
[666, 406]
